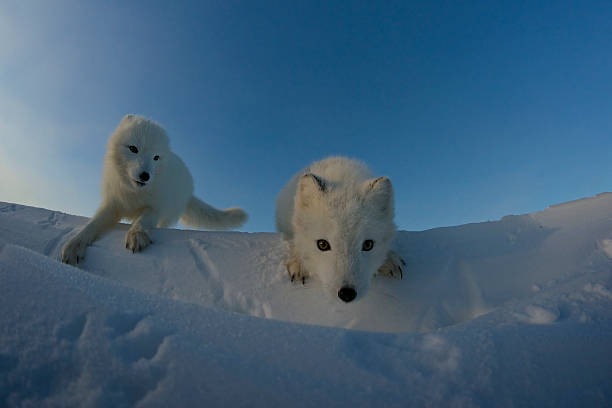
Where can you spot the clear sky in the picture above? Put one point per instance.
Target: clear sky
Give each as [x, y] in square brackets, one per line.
[474, 109]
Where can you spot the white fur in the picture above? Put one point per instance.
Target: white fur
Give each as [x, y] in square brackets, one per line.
[338, 200]
[159, 201]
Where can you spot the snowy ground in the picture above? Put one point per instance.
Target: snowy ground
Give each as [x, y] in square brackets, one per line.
[516, 312]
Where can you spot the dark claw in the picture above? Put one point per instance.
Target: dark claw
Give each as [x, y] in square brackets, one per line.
[303, 280]
[292, 278]
[401, 272]
[403, 262]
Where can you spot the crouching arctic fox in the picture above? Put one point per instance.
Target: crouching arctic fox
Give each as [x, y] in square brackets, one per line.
[338, 221]
[144, 181]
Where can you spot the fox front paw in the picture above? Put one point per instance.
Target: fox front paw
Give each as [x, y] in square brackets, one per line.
[296, 271]
[137, 240]
[74, 251]
[393, 267]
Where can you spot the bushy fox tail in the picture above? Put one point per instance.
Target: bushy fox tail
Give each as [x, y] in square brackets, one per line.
[201, 215]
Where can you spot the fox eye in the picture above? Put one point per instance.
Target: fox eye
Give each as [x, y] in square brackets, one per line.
[133, 149]
[323, 245]
[368, 244]
[156, 158]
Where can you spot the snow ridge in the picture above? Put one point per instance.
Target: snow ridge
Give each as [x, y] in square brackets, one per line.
[512, 312]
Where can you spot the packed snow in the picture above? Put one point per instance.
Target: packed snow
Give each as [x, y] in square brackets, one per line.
[516, 312]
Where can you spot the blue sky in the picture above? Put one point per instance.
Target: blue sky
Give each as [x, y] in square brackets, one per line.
[474, 109]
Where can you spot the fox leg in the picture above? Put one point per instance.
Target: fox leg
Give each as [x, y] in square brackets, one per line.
[393, 266]
[295, 268]
[137, 238]
[74, 250]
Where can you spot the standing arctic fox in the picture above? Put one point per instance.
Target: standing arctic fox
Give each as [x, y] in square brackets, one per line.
[338, 221]
[144, 181]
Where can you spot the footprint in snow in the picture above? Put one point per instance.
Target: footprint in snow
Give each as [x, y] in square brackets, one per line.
[136, 338]
[72, 330]
[137, 343]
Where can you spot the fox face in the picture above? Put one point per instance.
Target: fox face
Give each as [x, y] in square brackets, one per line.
[343, 232]
[138, 148]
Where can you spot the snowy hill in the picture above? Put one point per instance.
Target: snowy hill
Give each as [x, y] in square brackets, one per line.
[516, 312]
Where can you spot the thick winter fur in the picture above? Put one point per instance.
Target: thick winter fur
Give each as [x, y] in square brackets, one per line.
[145, 182]
[339, 201]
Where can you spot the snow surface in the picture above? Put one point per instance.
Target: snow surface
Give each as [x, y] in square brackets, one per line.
[516, 312]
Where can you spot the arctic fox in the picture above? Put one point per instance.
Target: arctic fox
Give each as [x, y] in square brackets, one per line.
[144, 181]
[338, 221]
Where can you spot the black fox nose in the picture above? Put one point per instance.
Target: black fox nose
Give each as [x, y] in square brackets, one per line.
[144, 176]
[347, 294]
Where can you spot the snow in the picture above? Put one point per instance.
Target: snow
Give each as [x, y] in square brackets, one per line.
[516, 312]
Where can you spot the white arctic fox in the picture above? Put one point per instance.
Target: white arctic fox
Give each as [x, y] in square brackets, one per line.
[338, 221]
[144, 181]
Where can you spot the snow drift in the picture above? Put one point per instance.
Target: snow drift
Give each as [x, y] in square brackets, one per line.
[512, 312]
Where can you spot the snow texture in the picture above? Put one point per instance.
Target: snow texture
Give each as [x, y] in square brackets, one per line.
[516, 312]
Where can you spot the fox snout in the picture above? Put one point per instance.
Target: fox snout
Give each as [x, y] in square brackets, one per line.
[348, 278]
[140, 175]
[347, 294]
[142, 178]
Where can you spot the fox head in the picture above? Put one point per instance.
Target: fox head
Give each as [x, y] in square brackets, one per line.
[343, 232]
[137, 150]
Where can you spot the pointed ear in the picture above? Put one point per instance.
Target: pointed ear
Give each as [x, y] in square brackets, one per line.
[309, 187]
[127, 117]
[379, 192]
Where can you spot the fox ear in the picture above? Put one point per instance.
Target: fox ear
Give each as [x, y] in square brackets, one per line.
[379, 192]
[127, 117]
[309, 187]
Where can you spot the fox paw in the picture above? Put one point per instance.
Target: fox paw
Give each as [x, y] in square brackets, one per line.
[393, 266]
[296, 271]
[74, 251]
[137, 240]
